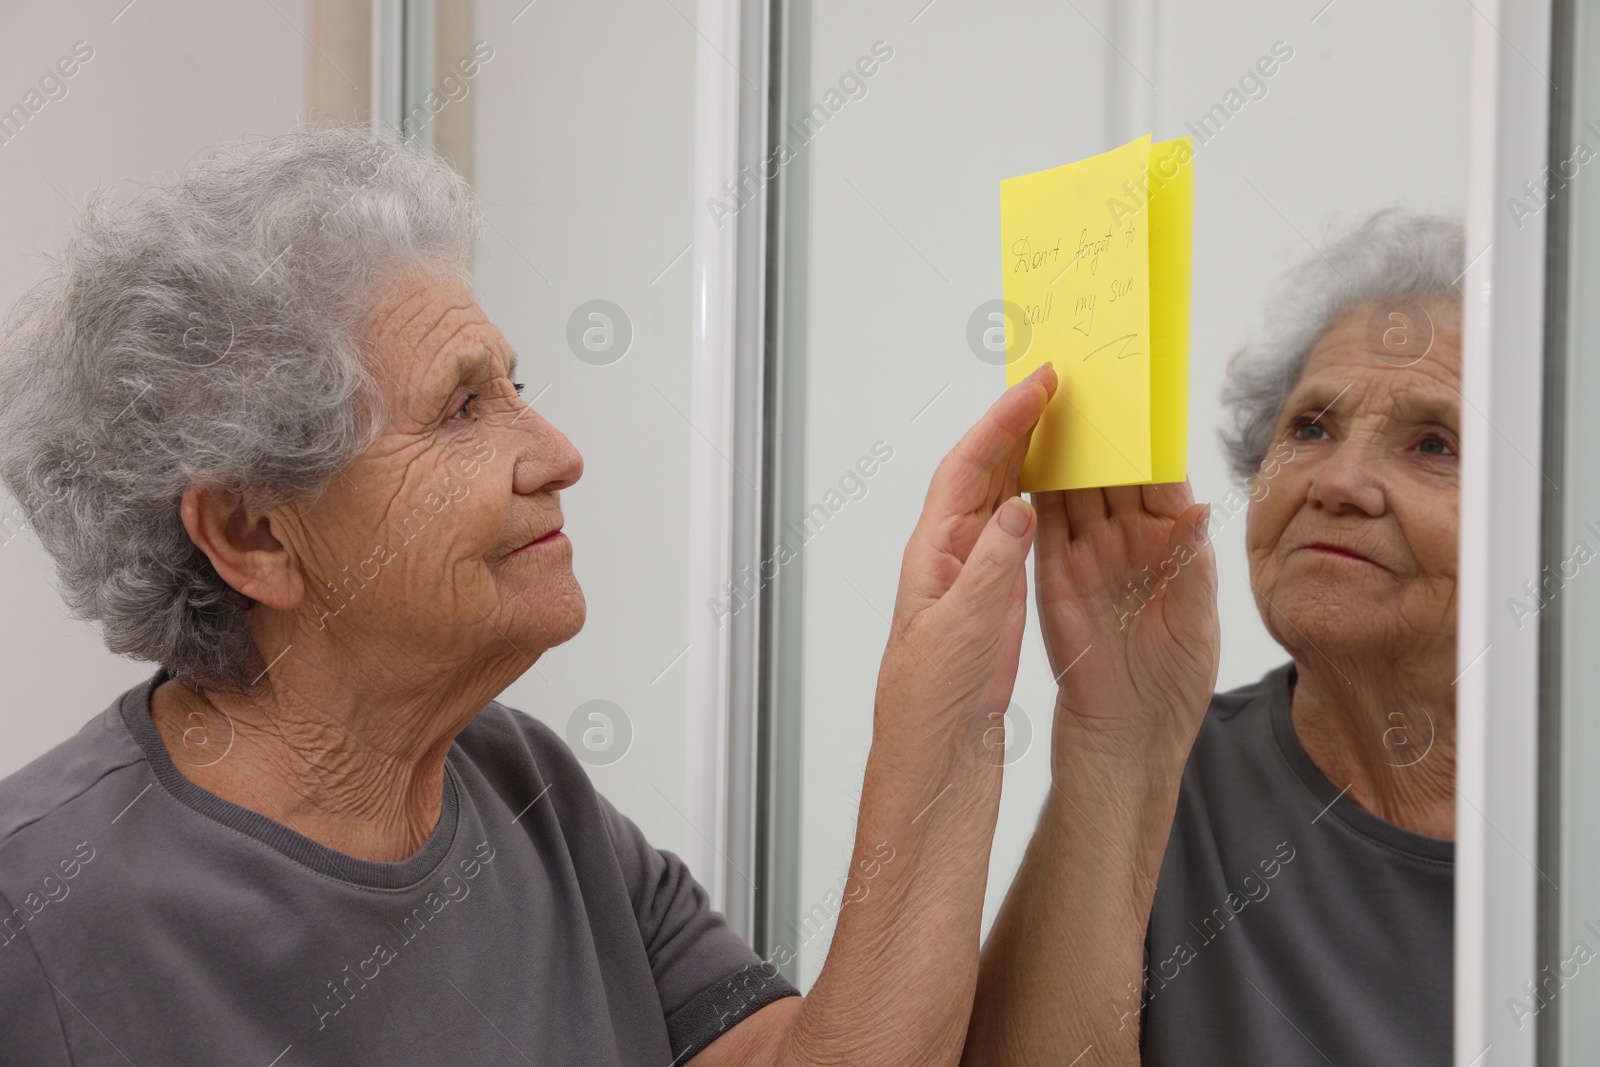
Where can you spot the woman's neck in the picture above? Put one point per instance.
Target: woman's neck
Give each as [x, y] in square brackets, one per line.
[353, 763]
[1385, 733]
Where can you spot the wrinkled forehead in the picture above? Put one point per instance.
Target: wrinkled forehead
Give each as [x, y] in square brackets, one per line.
[1366, 363]
[429, 333]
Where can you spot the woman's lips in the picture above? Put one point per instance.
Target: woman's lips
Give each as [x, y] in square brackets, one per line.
[550, 538]
[1323, 548]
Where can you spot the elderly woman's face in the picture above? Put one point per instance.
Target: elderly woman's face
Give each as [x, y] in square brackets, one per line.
[1352, 539]
[437, 548]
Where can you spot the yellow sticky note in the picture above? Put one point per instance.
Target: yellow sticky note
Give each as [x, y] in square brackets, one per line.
[1096, 280]
[1171, 235]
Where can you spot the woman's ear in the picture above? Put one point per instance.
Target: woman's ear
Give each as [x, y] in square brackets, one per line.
[241, 545]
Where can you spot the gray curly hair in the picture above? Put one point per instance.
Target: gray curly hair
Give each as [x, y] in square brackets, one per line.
[1392, 256]
[210, 332]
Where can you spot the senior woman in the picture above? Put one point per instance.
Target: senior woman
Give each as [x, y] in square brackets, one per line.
[275, 446]
[1303, 910]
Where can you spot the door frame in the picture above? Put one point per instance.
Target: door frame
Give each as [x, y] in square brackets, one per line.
[1498, 691]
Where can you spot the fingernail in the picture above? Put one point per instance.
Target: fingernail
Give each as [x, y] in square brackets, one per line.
[1014, 516]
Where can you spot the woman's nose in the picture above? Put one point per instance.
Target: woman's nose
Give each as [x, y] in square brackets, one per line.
[1348, 478]
[547, 459]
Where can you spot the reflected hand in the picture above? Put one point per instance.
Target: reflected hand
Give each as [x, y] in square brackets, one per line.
[1126, 583]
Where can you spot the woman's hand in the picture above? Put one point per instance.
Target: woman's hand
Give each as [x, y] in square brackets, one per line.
[912, 911]
[1126, 582]
[956, 635]
[1127, 594]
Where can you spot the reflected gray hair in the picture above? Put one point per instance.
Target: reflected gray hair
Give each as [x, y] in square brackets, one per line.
[211, 332]
[1392, 256]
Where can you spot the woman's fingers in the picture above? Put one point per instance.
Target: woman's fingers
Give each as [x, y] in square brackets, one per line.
[1124, 500]
[1168, 499]
[995, 445]
[1054, 529]
[1191, 590]
[1065, 514]
[1086, 509]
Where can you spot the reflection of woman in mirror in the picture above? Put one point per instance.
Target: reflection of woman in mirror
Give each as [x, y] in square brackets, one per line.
[1304, 907]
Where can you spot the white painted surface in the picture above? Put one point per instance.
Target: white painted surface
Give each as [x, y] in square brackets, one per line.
[585, 162]
[588, 196]
[1497, 753]
[167, 79]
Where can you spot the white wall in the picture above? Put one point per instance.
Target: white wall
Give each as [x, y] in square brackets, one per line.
[584, 162]
[1370, 111]
[166, 79]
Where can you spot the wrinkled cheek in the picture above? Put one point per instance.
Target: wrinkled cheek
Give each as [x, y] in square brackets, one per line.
[1263, 564]
[1265, 521]
[1433, 603]
[467, 516]
[474, 458]
[1264, 585]
[485, 487]
[1274, 501]
[1301, 607]
[471, 592]
[1439, 556]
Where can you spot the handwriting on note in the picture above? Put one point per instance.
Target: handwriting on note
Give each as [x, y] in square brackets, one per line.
[1095, 260]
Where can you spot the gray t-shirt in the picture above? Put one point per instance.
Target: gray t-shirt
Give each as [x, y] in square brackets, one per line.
[148, 921]
[1291, 926]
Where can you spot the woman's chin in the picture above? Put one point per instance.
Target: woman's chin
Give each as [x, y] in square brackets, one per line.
[548, 616]
[1331, 619]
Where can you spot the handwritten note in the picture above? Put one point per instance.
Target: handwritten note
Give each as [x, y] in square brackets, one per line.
[1096, 259]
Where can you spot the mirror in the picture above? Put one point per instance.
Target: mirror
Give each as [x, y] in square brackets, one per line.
[584, 264]
[1305, 120]
[1562, 606]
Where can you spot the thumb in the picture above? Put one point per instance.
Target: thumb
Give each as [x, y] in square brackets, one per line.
[1191, 593]
[990, 572]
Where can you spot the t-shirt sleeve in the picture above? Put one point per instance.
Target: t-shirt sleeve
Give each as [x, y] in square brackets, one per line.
[708, 978]
[28, 1016]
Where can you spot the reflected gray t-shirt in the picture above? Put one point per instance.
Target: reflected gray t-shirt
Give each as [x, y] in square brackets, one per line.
[1291, 926]
[145, 920]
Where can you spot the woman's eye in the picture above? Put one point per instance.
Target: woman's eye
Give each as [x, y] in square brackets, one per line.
[1433, 446]
[1309, 431]
[465, 410]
